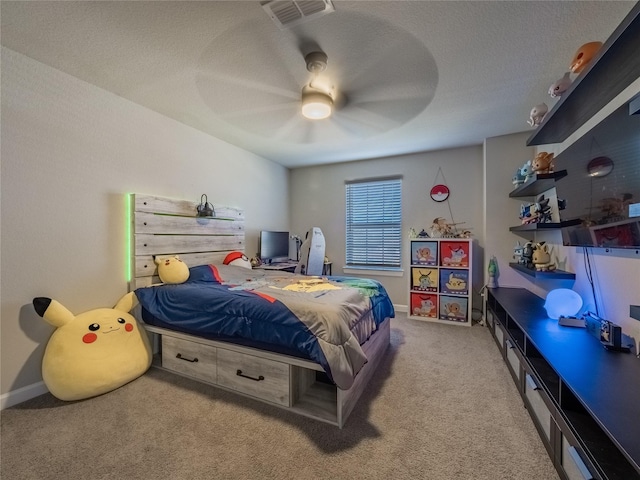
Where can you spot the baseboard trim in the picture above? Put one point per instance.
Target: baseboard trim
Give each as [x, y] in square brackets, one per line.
[401, 308]
[23, 394]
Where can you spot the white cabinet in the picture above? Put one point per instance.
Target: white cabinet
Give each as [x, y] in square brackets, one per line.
[440, 280]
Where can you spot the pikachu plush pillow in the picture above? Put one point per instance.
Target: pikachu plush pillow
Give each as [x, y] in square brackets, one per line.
[94, 352]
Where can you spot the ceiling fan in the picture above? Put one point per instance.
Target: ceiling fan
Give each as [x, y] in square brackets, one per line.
[374, 83]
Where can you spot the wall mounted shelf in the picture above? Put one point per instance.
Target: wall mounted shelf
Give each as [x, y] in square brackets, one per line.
[614, 68]
[532, 272]
[536, 227]
[539, 183]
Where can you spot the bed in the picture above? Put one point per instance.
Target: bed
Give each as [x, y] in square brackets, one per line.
[307, 344]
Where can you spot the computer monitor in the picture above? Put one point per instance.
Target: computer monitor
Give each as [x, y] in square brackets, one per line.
[274, 246]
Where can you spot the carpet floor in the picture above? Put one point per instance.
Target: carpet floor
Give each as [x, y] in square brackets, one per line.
[443, 406]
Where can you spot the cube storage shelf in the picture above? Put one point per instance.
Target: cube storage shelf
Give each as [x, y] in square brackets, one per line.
[440, 280]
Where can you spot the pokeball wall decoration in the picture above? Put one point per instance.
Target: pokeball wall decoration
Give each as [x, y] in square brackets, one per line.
[439, 193]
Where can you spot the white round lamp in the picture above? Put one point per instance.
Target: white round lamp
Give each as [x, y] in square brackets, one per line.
[562, 302]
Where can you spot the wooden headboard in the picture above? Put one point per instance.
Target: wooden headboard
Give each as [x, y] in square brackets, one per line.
[164, 226]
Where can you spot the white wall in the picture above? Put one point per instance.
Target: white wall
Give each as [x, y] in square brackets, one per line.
[70, 153]
[318, 199]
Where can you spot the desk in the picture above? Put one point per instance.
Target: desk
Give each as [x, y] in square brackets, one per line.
[281, 266]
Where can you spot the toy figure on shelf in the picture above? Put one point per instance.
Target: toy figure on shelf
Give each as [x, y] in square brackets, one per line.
[537, 114]
[537, 212]
[441, 228]
[542, 163]
[518, 177]
[526, 171]
[517, 252]
[523, 254]
[412, 233]
[423, 234]
[560, 86]
[542, 258]
[584, 55]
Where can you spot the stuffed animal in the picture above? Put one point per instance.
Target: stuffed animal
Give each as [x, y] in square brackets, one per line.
[172, 269]
[542, 163]
[94, 352]
[237, 258]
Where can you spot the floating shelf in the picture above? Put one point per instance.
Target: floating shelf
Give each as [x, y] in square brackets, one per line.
[536, 227]
[532, 272]
[608, 74]
[538, 184]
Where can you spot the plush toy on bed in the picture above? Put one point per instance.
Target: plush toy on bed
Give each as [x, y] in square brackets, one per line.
[94, 352]
[172, 269]
[237, 258]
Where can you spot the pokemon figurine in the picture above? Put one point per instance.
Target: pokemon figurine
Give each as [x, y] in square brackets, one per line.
[537, 114]
[584, 55]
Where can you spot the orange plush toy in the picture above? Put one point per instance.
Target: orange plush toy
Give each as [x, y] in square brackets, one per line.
[584, 55]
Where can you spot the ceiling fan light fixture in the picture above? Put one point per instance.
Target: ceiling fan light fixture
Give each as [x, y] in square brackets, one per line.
[316, 105]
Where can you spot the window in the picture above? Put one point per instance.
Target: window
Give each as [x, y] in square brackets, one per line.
[374, 223]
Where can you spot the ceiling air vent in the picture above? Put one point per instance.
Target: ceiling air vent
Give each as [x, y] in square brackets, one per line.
[287, 14]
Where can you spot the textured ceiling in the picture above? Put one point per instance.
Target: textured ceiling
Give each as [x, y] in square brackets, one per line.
[411, 75]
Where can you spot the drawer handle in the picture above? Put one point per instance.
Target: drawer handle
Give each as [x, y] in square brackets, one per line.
[240, 374]
[186, 359]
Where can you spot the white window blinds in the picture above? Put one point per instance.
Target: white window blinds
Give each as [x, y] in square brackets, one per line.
[374, 223]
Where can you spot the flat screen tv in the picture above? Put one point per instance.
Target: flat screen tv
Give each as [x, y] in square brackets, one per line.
[274, 246]
[602, 185]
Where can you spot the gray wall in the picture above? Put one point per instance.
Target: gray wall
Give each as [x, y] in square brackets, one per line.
[318, 199]
[70, 153]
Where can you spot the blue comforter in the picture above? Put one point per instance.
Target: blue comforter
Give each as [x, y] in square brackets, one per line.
[308, 316]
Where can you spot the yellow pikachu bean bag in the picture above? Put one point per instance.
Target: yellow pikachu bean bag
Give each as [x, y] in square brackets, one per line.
[94, 352]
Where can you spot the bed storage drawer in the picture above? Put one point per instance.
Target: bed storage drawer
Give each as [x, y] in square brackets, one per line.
[189, 358]
[255, 376]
